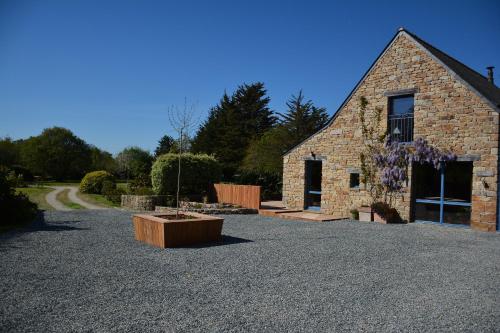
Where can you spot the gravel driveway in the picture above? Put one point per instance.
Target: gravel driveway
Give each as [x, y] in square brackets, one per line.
[51, 198]
[83, 271]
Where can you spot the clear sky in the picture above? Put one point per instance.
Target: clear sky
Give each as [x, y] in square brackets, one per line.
[107, 70]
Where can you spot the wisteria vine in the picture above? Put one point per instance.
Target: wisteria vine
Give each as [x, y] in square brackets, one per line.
[393, 161]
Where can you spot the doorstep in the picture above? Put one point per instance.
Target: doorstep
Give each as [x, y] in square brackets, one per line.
[307, 216]
[276, 212]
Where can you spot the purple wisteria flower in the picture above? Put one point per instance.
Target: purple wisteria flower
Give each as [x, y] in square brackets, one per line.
[393, 161]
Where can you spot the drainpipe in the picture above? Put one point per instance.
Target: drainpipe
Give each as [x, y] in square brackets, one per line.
[498, 181]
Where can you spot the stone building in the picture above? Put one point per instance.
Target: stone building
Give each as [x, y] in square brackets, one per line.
[425, 93]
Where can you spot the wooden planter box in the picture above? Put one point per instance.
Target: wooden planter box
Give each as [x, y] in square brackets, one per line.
[379, 219]
[365, 214]
[162, 230]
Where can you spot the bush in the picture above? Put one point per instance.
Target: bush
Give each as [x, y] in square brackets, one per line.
[197, 172]
[141, 191]
[111, 192]
[16, 208]
[271, 183]
[22, 173]
[108, 186]
[355, 214]
[93, 182]
[140, 184]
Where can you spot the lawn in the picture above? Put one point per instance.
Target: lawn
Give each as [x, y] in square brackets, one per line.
[37, 195]
[58, 183]
[100, 200]
[97, 199]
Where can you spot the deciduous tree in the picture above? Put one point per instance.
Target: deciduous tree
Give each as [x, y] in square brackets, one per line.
[56, 153]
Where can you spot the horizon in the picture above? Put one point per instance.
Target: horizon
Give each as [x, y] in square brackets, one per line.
[104, 70]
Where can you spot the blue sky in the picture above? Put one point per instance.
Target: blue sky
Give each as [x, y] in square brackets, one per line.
[108, 70]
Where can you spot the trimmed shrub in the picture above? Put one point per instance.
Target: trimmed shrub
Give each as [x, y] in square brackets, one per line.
[197, 172]
[93, 182]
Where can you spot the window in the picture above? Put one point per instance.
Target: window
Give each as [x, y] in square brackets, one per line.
[401, 118]
[443, 195]
[354, 180]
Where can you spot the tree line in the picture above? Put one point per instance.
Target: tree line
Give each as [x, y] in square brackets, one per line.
[58, 154]
[249, 139]
[242, 132]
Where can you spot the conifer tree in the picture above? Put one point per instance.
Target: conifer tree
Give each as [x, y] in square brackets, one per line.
[232, 124]
[302, 118]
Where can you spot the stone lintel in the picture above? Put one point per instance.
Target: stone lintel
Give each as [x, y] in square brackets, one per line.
[399, 92]
[469, 158]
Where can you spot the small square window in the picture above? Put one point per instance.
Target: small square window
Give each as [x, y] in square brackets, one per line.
[354, 180]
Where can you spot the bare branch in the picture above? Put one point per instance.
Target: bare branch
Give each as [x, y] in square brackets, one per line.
[182, 122]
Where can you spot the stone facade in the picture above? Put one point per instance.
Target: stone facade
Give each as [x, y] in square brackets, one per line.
[447, 113]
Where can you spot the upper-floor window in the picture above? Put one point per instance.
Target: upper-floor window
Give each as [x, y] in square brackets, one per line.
[401, 118]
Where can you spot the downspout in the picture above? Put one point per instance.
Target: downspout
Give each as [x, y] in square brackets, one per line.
[498, 180]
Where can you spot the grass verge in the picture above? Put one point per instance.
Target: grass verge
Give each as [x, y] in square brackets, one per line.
[63, 197]
[37, 195]
[97, 199]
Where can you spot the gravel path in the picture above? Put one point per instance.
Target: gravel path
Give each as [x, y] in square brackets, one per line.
[51, 198]
[83, 271]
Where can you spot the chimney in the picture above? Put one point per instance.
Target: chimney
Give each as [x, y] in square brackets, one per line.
[490, 74]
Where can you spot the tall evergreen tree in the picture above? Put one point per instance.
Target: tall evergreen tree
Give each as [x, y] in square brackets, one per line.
[302, 118]
[165, 144]
[233, 124]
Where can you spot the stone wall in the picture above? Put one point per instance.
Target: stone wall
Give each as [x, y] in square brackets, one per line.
[447, 114]
[144, 202]
[211, 210]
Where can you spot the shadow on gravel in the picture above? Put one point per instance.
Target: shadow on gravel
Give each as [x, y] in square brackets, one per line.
[38, 224]
[226, 240]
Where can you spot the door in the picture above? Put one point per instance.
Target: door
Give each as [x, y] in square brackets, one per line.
[312, 200]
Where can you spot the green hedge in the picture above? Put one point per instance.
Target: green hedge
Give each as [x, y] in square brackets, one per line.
[93, 181]
[197, 172]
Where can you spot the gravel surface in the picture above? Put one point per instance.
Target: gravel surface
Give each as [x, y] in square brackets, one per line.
[83, 271]
[51, 198]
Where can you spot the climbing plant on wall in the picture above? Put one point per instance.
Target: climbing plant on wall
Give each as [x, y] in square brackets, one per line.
[373, 143]
[394, 159]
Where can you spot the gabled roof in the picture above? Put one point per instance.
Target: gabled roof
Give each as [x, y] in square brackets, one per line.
[470, 76]
[475, 81]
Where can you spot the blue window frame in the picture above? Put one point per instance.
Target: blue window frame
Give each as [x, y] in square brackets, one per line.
[444, 195]
[312, 197]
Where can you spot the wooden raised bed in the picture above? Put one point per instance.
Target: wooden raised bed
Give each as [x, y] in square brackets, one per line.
[163, 230]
